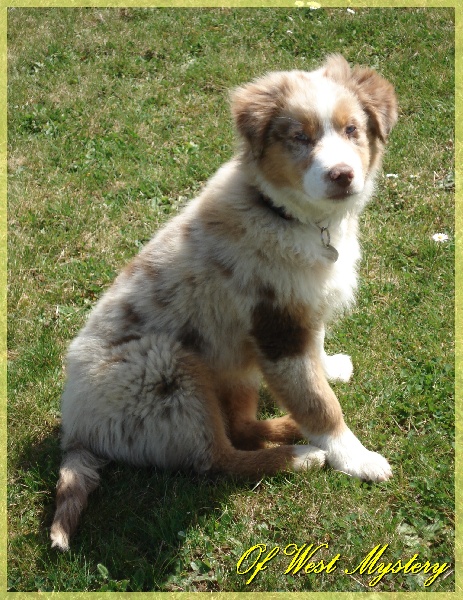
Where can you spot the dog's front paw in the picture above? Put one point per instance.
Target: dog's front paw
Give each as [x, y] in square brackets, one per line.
[345, 453]
[338, 367]
[365, 465]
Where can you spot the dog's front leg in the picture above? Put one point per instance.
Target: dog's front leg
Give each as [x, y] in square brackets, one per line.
[300, 384]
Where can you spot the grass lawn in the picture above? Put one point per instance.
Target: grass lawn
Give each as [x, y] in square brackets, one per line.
[117, 117]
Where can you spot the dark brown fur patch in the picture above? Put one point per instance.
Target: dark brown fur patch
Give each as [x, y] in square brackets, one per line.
[166, 387]
[186, 230]
[132, 323]
[279, 332]
[344, 113]
[267, 293]
[223, 269]
[150, 270]
[122, 340]
[223, 226]
[191, 339]
[279, 168]
[163, 290]
[130, 315]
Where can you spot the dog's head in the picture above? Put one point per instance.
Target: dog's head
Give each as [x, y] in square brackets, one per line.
[319, 133]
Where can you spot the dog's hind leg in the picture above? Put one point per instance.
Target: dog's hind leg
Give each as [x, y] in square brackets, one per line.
[266, 461]
[249, 463]
[239, 399]
[280, 430]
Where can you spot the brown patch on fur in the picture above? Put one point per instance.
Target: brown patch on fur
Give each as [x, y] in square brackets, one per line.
[288, 153]
[141, 263]
[311, 126]
[279, 171]
[301, 120]
[267, 293]
[130, 315]
[186, 229]
[222, 268]
[322, 415]
[162, 294]
[131, 323]
[122, 340]
[280, 430]
[191, 339]
[222, 225]
[164, 290]
[239, 406]
[252, 463]
[367, 145]
[280, 332]
[247, 433]
[344, 113]
[162, 297]
[151, 271]
[375, 151]
[287, 127]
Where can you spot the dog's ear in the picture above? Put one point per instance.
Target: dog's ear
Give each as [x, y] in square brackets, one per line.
[376, 95]
[378, 99]
[337, 68]
[253, 107]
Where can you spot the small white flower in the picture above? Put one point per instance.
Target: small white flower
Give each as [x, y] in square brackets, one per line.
[440, 237]
[289, 32]
[350, 11]
[392, 175]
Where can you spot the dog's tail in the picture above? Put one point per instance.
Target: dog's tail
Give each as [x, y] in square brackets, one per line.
[78, 477]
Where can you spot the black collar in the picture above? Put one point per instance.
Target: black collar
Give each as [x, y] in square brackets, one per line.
[279, 210]
[329, 251]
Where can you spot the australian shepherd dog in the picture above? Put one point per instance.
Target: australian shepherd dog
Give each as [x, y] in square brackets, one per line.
[235, 289]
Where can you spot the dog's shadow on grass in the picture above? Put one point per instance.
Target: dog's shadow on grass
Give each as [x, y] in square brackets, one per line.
[133, 532]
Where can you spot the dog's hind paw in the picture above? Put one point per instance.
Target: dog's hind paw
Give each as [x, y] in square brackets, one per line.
[308, 456]
[338, 367]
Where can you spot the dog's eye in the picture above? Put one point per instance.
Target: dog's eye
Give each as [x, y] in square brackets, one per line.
[351, 129]
[302, 137]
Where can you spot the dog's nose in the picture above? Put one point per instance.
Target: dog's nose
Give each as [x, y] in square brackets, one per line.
[341, 174]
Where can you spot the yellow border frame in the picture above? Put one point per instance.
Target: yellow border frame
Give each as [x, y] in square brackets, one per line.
[4, 5]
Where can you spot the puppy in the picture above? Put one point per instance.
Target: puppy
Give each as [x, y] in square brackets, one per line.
[239, 286]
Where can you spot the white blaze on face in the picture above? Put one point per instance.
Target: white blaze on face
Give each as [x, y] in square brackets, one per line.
[333, 148]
